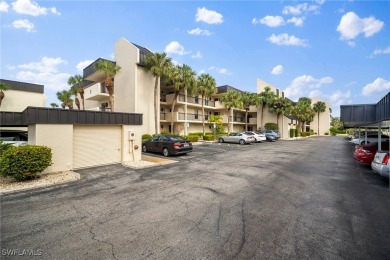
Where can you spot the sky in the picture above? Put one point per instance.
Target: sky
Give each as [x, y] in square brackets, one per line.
[338, 51]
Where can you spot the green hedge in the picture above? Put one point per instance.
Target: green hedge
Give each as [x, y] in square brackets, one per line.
[271, 126]
[192, 138]
[292, 133]
[208, 137]
[25, 162]
[146, 136]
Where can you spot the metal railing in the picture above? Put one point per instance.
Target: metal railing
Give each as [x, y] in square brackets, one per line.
[192, 117]
[197, 100]
[163, 116]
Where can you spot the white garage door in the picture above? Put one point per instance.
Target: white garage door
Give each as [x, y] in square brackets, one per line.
[96, 145]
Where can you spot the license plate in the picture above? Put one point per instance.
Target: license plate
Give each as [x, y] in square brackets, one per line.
[185, 145]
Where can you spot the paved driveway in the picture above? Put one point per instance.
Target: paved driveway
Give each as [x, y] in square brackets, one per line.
[303, 199]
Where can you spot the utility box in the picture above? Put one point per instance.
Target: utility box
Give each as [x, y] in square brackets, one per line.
[131, 135]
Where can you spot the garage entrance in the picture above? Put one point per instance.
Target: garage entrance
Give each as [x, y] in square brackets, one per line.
[94, 146]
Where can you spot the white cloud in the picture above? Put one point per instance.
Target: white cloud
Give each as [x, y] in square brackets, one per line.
[83, 64]
[4, 6]
[272, 21]
[300, 9]
[175, 48]
[223, 71]
[208, 16]
[351, 43]
[379, 85]
[277, 70]
[351, 26]
[198, 55]
[285, 39]
[303, 85]
[380, 52]
[315, 94]
[44, 72]
[198, 31]
[23, 24]
[297, 21]
[32, 8]
[340, 97]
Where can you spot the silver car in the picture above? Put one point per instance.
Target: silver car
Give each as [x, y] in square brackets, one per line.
[258, 136]
[381, 163]
[240, 138]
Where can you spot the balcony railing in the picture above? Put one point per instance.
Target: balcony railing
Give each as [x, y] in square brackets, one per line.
[163, 98]
[238, 119]
[196, 100]
[163, 116]
[192, 117]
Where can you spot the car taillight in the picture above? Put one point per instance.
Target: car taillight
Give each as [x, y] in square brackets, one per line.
[176, 144]
[385, 159]
[190, 143]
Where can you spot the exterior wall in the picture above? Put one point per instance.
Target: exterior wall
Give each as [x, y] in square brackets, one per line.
[324, 119]
[57, 137]
[17, 101]
[131, 150]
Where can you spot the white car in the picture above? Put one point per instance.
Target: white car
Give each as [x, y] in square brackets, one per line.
[258, 137]
[371, 138]
[381, 163]
[240, 138]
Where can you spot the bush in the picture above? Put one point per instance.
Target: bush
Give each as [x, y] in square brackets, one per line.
[208, 137]
[326, 133]
[292, 133]
[199, 134]
[146, 136]
[25, 162]
[271, 126]
[296, 132]
[193, 138]
[165, 133]
[3, 146]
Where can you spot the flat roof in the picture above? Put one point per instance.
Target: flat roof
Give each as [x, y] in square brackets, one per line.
[23, 86]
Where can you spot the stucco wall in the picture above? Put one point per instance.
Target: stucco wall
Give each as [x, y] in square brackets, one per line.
[17, 101]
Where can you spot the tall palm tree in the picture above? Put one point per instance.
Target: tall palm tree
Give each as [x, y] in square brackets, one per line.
[248, 99]
[158, 63]
[183, 77]
[76, 83]
[280, 106]
[319, 107]
[231, 99]
[65, 97]
[206, 86]
[3, 87]
[53, 105]
[109, 69]
[266, 97]
[303, 112]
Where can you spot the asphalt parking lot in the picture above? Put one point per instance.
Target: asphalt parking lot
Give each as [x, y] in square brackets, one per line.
[300, 199]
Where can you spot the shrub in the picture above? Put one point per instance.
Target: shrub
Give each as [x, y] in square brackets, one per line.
[193, 138]
[208, 137]
[326, 133]
[271, 126]
[199, 134]
[3, 146]
[296, 132]
[146, 136]
[165, 133]
[25, 162]
[292, 133]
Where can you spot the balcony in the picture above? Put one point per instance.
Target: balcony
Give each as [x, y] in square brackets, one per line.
[252, 121]
[102, 109]
[90, 73]
[238, 119]
[96, 92]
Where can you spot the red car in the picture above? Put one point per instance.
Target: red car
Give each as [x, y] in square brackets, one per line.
[366, 153]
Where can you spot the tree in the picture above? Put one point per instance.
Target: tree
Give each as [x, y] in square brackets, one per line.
[231, 99]
[265, 97]
[206, 86]
[3, 87]
[303, 112]
[76, 84]
[335, 122]
[248, 99]
[183, 77]
[280, 106]
[53, 105]
[319, 107]
[110, 69]
[217, 119]
[64, 97]
[157, 63]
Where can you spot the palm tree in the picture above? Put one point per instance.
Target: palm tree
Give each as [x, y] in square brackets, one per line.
[248, 99]
[303, 112]
[109, 69]
[64, 97]
[3, 87]
[183, 77]
[231, 99]
[319, 107]
[53, 105]
[157, 63]
[76, 83]
[280, 106]
[266, 97]
[206, 86]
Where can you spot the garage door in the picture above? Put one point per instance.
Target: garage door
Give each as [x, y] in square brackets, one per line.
[96, 145]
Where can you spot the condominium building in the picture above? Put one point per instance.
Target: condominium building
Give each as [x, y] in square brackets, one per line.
[134, 93]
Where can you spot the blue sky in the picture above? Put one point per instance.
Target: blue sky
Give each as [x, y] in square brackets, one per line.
[338, 51]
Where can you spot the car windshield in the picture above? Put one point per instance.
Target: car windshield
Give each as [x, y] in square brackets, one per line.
[176, 138]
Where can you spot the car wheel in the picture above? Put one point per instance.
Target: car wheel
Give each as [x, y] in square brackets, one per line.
[144, 149]
[256, 140]
[220, 140]
[242, 141]
[165, 152]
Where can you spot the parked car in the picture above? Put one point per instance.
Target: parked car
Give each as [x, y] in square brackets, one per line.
[366, 153]
[240, 138]
[381, 163]
[371, 138]
[167, 145]
[259, 137]
[14, 137]
[270, 135]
